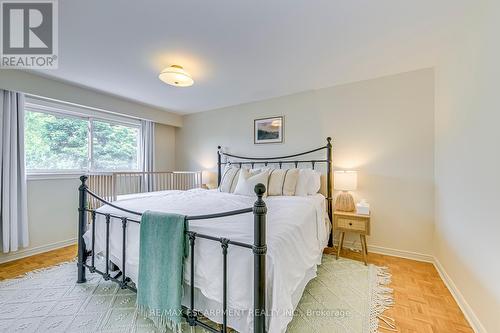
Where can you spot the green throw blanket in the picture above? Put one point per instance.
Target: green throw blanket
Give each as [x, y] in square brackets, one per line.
[163, 247]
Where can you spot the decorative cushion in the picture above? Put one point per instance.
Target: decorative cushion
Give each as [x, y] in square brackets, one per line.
[235, 181]
[229, 179]
[314, 182]
[309, 182]
[282, 181]
[247, 181]
[303, 182]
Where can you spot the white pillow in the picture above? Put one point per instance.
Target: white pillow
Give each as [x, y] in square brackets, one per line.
[303, 182]
[282, 181]
[247, 181]
[314, 182]
[229, 179]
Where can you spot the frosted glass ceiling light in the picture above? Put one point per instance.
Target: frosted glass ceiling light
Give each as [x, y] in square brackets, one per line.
[176, 76]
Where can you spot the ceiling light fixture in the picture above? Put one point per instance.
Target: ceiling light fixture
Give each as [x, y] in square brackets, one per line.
[176, 76]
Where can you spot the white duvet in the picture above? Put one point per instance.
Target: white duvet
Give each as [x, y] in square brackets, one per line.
[296, 236]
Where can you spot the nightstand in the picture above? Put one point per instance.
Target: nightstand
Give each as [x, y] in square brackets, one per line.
[352, 222]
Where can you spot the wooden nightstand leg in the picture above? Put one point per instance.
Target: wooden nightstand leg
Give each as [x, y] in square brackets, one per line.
[363, 248]
[340, 244]
[366, 245]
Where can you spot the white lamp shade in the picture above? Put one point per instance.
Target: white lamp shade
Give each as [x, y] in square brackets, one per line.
[208, 177]
[345, 180]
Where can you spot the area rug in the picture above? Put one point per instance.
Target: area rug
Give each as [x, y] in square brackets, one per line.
[345, 297]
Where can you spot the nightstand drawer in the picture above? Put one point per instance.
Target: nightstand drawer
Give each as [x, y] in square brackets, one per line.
[351, 224]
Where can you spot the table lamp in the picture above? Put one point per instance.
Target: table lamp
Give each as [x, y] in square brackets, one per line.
[208, 179]
[345, 181]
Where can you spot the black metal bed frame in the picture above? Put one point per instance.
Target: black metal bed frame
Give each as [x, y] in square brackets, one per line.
[258, 247]
[288, 159]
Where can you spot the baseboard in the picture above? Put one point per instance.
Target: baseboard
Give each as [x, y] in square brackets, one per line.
[401, 253]
[35, 250]
[391, 252]
[460, 299]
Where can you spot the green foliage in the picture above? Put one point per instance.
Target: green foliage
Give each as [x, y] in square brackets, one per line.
[61, 143]
[114, 146]
[55, 142]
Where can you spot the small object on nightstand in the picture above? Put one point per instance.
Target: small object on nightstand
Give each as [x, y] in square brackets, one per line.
[345, 181]
[363, 207]
[352, 222]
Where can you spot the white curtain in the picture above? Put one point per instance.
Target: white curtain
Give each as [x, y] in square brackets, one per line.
[148, 153]
[13, 204]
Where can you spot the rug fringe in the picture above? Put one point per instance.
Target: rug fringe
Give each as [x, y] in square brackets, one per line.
[381, 298]
[390, 322]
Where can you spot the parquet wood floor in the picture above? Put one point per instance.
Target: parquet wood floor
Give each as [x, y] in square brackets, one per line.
[19, 267]
[423, 304]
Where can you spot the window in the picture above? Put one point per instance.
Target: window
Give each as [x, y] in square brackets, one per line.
[64, 138]
[114, 146]
[55, 142]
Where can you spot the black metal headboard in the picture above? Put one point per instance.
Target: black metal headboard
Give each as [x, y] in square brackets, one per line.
[288, 159]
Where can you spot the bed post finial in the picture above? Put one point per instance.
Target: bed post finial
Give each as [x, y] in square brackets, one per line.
[329, 179]
[260, 189]
[219, 171]
[82, 223]
[259, 255]
[83, 179]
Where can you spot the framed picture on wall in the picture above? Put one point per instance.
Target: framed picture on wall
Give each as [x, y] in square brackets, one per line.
[268, 130]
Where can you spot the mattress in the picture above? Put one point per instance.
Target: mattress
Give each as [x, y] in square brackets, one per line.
[296, 236]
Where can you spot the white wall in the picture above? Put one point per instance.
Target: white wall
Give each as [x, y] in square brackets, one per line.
[164, 148]
[467, 235]
[383, 127]
[13, 79]
[52, 216]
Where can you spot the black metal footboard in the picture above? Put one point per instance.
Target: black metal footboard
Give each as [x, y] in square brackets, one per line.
[258, 247]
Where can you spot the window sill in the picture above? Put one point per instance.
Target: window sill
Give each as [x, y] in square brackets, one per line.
[51, 176]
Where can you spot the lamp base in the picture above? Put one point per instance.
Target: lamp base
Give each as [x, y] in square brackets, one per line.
[345, 202]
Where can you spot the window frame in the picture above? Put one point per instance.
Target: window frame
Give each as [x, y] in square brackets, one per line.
[69, 110]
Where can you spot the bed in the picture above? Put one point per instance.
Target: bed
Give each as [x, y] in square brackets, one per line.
[259, 289]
